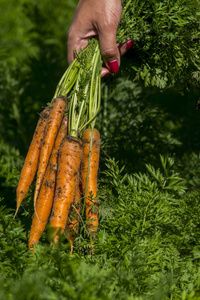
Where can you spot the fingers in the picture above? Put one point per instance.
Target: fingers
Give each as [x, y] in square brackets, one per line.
[74, 42]
[123, 48]
[109, 50]
[104, 71]
[92, 18]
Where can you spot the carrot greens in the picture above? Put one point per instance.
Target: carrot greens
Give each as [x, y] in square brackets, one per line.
[81, 84]
[167, 48]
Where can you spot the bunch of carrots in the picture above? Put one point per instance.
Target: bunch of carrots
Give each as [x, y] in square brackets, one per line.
[64, 154]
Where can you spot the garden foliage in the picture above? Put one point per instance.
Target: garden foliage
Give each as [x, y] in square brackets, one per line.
[167, 44]
[148, 242]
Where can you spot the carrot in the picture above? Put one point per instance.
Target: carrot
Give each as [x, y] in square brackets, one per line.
[69, 160]
[47, 191]
[72, 226]
[89, 171]
[53, 124]
[31, 162]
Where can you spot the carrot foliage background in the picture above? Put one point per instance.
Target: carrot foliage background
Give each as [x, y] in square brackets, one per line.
[148, 243]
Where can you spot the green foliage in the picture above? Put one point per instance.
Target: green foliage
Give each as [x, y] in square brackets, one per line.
[134, 131]
[12, 239]
[147, 245]
[167, 40]
[10, 166]
[9, 161]
[151, 228]
[33, 58]
[190, 169]
[25, 23]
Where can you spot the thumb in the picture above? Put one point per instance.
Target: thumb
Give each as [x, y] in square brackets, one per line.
[109, 50]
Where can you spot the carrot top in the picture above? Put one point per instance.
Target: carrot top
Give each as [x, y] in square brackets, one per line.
[81, 84]
[85, 98]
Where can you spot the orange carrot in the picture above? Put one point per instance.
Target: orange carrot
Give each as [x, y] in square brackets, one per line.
[89, 171]
[45, 198]
[72, 226]
[31, 162]
[57, 111]
[69, 160]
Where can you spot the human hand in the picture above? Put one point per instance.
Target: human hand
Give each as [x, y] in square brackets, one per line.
[94, 17]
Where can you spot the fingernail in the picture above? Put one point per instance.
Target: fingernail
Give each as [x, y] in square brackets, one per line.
[104, 73]
[113, 66]
[129, 44]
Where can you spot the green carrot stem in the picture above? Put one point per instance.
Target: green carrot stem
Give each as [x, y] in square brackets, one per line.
[68, 79]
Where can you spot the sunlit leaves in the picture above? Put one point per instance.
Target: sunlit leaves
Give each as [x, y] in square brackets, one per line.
[167, 40]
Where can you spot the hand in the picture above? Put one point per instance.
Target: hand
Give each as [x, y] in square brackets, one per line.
[97, 17]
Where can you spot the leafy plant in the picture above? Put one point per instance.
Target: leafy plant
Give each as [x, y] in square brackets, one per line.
[162, 31]
[148, 242]
[151, 227]
[139, 130]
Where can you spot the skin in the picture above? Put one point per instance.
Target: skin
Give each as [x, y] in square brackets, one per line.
[96, 18]
[47, 191]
